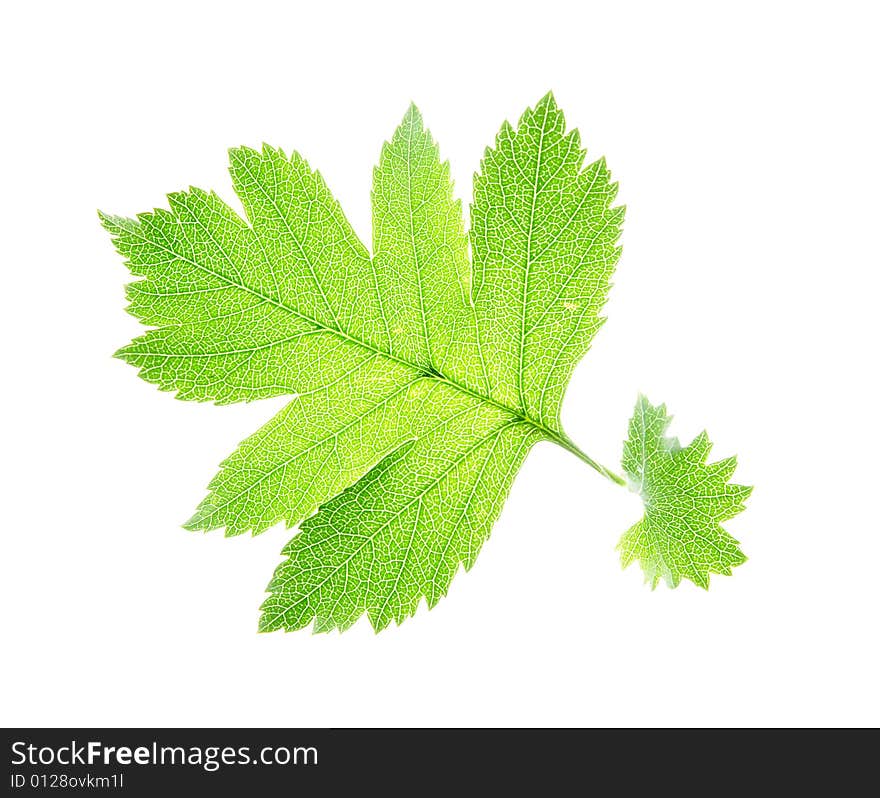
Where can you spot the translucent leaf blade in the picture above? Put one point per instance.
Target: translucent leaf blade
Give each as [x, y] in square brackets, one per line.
[544, 240]
[686, 499]
[399, 535]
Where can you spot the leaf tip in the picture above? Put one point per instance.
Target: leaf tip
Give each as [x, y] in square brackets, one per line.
[113, 224]
[194, 523]
[547, 101]
[412, 121]
[123, 353]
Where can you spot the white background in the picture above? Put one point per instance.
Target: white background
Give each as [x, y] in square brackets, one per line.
[746, 144]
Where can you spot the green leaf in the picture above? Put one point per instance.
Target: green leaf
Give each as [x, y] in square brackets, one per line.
[420, 252]
[544, 247]
[419, 376]
[686, 499]
[401, 533]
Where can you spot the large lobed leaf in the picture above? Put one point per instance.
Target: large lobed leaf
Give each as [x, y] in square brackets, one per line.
[419, 382]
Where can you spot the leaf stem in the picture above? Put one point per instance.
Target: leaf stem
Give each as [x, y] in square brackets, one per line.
[559, 438]
[566, 443]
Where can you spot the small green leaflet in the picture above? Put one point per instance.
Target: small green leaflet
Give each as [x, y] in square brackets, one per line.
[420, 375]
[686, 499]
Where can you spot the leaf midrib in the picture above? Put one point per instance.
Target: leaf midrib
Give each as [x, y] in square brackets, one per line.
[528, 265]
